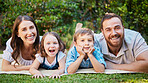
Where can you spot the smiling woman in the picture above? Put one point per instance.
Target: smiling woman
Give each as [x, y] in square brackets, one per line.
[22, 46]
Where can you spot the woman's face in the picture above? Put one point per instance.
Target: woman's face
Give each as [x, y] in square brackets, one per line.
[51, 45]
[27, 32]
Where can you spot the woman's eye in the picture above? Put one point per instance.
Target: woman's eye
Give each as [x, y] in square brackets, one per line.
[24, 29]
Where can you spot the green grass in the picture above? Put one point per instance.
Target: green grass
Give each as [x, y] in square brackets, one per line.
[78, 78]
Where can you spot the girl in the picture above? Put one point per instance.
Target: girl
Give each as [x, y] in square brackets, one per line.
[52, 56]
[22, 46]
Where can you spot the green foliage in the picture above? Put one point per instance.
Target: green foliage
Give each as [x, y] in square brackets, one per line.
[61, 16]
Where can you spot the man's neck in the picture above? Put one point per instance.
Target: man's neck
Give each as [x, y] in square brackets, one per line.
[114, 50]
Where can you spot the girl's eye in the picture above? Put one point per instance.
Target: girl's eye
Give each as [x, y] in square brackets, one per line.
[82, 40]
[54, 43]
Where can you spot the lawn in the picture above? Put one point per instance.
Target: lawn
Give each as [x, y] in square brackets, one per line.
[77, 78]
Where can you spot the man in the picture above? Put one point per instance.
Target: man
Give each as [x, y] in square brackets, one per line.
[123, 49]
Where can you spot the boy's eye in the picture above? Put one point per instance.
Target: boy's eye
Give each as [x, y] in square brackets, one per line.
[89, 40]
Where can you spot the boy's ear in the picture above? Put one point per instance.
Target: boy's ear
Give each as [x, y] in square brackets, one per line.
[75, 43]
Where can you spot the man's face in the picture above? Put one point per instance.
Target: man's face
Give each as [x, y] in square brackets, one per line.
[113, 32]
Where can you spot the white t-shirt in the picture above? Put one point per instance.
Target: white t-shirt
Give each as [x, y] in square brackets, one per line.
[61, 55]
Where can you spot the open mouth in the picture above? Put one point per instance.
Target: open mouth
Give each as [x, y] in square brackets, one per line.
[51, 50]
[86, 48]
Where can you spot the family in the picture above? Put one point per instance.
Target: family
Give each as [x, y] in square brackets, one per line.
[114, 48]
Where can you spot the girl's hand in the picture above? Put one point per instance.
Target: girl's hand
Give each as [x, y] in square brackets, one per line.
[38, 76]
[54, 76]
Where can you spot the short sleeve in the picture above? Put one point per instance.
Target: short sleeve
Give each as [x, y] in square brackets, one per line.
[140, 45]
[70, 58]
[39, 58]
[99, 56]
[61, 55]
[7, 52]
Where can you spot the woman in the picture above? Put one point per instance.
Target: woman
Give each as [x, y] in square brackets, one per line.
[22, 46]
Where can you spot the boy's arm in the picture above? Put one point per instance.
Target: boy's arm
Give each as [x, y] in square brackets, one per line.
[75, 65]
[98, 66]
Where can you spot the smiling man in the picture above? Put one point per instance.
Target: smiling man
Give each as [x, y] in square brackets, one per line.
[123, 49]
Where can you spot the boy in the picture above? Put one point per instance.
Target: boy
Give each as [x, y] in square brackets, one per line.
[83, 54]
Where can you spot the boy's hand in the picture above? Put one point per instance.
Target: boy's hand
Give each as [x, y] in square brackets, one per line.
[80, 50]
[92, 49]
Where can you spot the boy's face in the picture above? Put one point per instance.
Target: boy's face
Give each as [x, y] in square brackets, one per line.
[85, 41]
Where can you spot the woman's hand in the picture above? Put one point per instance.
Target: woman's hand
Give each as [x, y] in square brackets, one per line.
[38, 76]
[54, 76]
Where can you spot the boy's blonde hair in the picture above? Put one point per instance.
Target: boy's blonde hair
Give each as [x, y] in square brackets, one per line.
[82, 32]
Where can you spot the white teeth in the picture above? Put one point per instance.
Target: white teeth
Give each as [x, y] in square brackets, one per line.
[30, 37]
[114, 38]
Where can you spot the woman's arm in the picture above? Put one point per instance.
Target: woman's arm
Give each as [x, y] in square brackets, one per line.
[6, 66]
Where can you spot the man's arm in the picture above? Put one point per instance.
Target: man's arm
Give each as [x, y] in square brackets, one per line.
[141, 65]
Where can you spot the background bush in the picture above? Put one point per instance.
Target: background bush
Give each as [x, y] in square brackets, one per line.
[62, 16]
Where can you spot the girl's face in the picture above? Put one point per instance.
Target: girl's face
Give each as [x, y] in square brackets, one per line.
[51, 45]
[27, 32]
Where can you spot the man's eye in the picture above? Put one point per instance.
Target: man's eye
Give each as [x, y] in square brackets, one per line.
[31, 27]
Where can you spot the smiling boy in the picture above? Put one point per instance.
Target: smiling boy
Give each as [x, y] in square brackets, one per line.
[83, 54]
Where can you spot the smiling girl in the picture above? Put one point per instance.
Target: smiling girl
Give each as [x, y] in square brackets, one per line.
[52, 56]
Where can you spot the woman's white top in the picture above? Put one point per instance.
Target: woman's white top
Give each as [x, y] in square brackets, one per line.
[61, 55]
[8, 56]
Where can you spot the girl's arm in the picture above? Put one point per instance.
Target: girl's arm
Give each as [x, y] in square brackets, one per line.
[60, 70]
[34, 69]
[6, 66]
